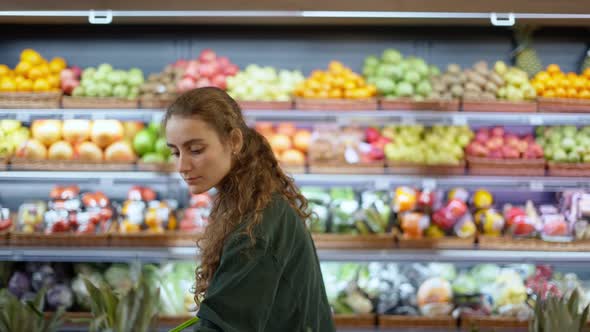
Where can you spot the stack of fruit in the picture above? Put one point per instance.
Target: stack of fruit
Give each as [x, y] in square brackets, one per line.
[257, 83]
[12, 136]
[207, 70]
[151, 146]
[476, 83]
[162, 85]
[397, 77]
[83, 140]
[438, 145]
[33, 73]
[553, 83]
[335, 83]
[496, 143]
[289, 143]
[566, 144]
[105, 81]
[517, 87]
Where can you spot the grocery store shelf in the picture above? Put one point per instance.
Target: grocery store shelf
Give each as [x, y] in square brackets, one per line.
[380, 182]
[341, 117]
[101, 254]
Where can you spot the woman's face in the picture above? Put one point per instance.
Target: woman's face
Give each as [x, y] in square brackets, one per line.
[202, 159]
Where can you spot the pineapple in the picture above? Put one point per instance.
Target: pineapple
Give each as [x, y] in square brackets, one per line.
[526, 57]
[559, 314]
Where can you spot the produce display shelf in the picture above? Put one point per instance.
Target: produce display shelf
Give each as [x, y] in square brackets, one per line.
[112, 254]
[367, 117]
[379, 182]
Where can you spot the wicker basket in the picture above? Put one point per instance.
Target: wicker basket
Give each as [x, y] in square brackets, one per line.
[395, 167]
[407, 104]
[58, 240]
[167, 239]
[393, 321]
[3, 164]
[266, 105]
[355, 321]
[447, 242]
[29, 99]
[156, 167]
[347, 241]
[529, 244]
[563, 105]
[502, 106]
[509, 167]
[337, 167]
[95, 102]
[70, 165]
[155, 103]
[336, 104]
[568, 169]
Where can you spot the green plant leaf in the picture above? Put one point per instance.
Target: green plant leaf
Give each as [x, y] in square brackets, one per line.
[185, 325]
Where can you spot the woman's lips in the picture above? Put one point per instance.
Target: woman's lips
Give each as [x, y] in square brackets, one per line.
[193, 180]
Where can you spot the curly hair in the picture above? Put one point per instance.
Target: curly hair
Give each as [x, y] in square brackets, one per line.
[248, 187]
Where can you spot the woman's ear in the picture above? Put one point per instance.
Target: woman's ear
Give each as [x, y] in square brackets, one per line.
[236, 138]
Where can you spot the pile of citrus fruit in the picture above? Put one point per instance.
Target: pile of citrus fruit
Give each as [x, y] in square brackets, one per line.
[553, 83]
[33, 73]
[336, 82]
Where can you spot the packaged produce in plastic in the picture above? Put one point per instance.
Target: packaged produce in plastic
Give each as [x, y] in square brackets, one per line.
[413, 224]
[434, 297]
[5, 219]
[141, 211]
[482, 199]
[522, 221]
[196, 217]
[490, 221]
[30, 217]
[405, 199]
[556, 228]
[343, 209]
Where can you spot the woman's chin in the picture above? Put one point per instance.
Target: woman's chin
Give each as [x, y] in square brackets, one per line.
[197, 189]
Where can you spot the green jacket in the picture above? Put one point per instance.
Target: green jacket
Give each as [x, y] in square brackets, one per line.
[274, 286]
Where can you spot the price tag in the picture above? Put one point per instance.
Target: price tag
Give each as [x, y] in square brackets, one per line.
[408, 120]
[536, 120]
[459, 120]
[536, 186]
[428, 183]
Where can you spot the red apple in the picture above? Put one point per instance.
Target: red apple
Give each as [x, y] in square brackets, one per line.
[207, 70]
[77, 72]
[495, 143]
[203, 82]
[498, 131]
[207, 55]
[510, 153]
[67, 74]
[496, 154]
[68, 86]
[529, 138]
[186, 84]
[192, 70]
[381, 142]
[223, 61]
[231, 70]
[372, 135]
[477, 149]
[522, 146]
[180, 63]
[482, 135]
[376, 153]
[219, 81]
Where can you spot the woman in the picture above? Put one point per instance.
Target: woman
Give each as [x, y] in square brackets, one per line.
[259, 269]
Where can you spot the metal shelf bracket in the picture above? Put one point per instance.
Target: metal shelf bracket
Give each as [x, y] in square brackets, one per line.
[507, 21]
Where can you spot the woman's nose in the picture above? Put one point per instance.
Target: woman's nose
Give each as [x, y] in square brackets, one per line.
[183, 164]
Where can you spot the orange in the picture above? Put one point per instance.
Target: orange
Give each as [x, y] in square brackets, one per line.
[360, 81]
[33, 58]
[44, 68]
[572, 93]
[571, 75]
[23, 68]
[542, 76]
[553, 69]
[349, 85]
[35, 73]
[584, 94]
[308, 93]
[586, 73]
[539, 87]
[560, 92]
[372, 90]
[549, 94]
[41, 85]
[579, 83]
[56, 65]
[322, 94]
[338, 82]
[335, 93]
[336, 67]
[19, 79]
[565, 83]
[325, 86]
[551, 84]
[24, 85]
[313, 85]
[7, 84]
[53, 81]
[4, 70]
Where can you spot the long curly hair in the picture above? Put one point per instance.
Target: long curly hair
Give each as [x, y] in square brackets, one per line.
[248, 187]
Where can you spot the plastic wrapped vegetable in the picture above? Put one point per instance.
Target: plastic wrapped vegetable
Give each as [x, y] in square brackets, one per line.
[343, 209]
[435, 296]
[490, 221]
[556, 228]
[464, 284]
[176, 280]
[318, 201]
[413, 224]
[405, 199]
[19, 284]
[485, 273]
[60, 295]
[482, 199]
[376, 212]
[521, 222]
[444, 270]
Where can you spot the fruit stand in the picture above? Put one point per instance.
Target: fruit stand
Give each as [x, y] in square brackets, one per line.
[447, 168]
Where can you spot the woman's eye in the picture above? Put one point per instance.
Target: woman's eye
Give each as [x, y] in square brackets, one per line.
[175, 154]
[196, 151]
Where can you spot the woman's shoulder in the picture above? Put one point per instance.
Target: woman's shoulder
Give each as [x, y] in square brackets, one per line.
[281, 224]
